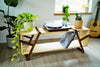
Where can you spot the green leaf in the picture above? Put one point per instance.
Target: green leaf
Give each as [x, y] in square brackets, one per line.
[30, 29]
[14, 55]
[13, 41]
[12, 32]
[12, 59]
[3, 28]
[23, 53]
[17, 44]
[13, 3]
[14, 47]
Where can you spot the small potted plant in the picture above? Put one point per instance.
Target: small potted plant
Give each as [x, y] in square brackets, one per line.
[78, 21]
[66, 17]
[28, 19]
[85, 7]
[19, 24]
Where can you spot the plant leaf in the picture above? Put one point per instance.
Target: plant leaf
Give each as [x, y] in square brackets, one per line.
[30, 29]
[3, 28]
[13, 41]
[14, 47]
[13, 3]
[23, 53]
[12, 59]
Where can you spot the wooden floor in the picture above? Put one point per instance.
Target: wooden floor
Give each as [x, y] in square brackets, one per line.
[66, 58]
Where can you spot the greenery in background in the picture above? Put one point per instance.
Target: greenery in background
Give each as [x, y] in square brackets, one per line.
[9, 20]
[67, 14]
[85, 5]
[78, 17]
[21, 18]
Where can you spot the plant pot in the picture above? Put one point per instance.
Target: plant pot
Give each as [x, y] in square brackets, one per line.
[87, 9]
[9, 39]
[78, 24]
[28, 24]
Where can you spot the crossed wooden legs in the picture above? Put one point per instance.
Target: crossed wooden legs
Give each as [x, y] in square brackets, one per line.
[81, 47]
[29, 43]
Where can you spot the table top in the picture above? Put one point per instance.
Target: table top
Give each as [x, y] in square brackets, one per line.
[44, 31]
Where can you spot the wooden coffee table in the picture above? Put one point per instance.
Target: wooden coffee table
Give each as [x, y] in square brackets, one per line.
[28, 48]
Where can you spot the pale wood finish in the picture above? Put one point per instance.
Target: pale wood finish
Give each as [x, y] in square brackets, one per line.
[71, 13]
[56, 46]
[82, 34]
[44, 31]
[24, 32]
[52, 46]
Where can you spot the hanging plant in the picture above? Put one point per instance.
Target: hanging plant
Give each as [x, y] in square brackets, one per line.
[21, 18]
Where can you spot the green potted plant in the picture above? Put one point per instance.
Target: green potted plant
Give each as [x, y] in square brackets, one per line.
[9, 21]
[85, 7]
[28, 20]
[78, 21]
[67, 14]
[19, 24]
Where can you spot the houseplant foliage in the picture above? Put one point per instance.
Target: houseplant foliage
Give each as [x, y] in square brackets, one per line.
[78, 21]
[66, 17]
[19, 21]
[85, 7]
[64, 7]
[28, 20]
[9, 20]
[67, 14]
[12, 3]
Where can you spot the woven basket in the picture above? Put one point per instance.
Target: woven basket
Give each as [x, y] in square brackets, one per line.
[78, 24]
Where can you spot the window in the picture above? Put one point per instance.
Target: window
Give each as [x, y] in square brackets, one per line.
[74, 5]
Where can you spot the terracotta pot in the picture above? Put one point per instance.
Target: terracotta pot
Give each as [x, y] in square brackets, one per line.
[78, 24]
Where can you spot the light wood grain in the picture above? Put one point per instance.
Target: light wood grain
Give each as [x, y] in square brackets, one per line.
[51, 46]
[44, 31]
[55, 46]
[71, 13]
[25, 32]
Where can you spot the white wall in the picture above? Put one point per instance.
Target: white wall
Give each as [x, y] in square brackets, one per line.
[94, 9]
[44, 8]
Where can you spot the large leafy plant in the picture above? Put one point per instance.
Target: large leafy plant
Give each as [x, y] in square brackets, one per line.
[9, 19]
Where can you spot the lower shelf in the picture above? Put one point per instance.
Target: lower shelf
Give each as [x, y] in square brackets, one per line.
[51, 46]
